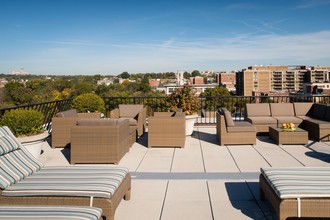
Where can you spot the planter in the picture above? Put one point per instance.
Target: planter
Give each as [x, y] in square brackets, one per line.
[34, 143]
[190, 122]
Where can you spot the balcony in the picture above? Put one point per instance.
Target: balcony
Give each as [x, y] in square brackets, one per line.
[202, 180]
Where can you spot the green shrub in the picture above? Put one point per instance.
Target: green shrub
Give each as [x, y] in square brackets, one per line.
[23, 121]
[88, 102]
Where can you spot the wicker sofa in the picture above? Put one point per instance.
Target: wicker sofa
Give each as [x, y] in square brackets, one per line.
[99, 140]
[312, 117]
[26, 181]
[135, 113]
[230, 132]
[167, 129]
[62, 123]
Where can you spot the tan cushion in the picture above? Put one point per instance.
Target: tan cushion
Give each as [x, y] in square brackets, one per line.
[259, 109]
[302, 108]
[242, 126]
[97, 122]
[228, 118]
[262, 120]
[320, 124]
[129, 111]
[132, 121]
[281, 109]
[288, 119]
[72, 113]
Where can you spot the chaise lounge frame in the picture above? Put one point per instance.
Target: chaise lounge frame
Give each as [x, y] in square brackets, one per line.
[285, 208]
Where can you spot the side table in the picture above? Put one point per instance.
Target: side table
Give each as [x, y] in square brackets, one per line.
[298, 136]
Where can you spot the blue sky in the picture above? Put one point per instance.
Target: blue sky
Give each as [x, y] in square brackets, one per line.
[138, 36]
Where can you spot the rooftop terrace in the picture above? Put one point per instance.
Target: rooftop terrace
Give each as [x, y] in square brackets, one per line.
[202, 180]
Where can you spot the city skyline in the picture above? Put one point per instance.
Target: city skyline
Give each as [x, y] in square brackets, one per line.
[107, 37]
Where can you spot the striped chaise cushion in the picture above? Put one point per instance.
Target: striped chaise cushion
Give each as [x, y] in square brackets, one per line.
[300, 182]
[15, 162]
[4, 130]
[50, 212]
[85, 181]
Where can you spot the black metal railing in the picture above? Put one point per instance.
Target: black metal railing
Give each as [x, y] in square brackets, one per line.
[208, 105]
[49, 109]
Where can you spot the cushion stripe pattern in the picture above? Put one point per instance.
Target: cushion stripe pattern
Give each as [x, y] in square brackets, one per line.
[300, 182]
[84, 181]
[4, 130]
[50, 212]
[8, 144]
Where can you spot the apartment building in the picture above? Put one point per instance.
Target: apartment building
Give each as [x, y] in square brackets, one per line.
[318, 74]
[269, 79]
[227, 79]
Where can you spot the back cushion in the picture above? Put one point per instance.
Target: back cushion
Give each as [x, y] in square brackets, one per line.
[4, 130]
[129, 110]
[15, 162]
[72, 113]
[281, 109]
[327, 114]
[260, 109]
[302, 108]
[319, 111]
[228, 118]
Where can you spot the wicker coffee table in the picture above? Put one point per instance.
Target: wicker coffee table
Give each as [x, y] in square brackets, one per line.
[280, 136]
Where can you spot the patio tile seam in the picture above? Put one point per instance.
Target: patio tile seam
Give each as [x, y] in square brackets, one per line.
[201, 149]
[210, 199]
[195, 176]
[280, 146]
[164, 200]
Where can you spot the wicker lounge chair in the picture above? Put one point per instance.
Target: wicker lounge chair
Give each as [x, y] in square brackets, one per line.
[230, 132]
[99, 141]
[135, 113]
[62, 123]
[167, 129]
[26, 181]
[50, 212]
[297, 192]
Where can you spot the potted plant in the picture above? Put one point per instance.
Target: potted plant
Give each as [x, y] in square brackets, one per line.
[27, 126]
[89, 102]
[184, 98]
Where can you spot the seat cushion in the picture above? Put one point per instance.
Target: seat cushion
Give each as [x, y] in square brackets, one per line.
[242, 126]
[288, 119]
[90, 181]
[49, 212]
[97, 122]
[319, 124]
[298, 182]
[132, 121]
[262, 120]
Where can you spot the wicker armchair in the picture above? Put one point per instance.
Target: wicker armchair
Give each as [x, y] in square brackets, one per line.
[135, 113]
[99, 140]
[167, 129]
[62, 123]
[230, 132]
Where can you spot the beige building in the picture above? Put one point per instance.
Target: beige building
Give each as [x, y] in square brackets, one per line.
[269, 79]
[318, 74]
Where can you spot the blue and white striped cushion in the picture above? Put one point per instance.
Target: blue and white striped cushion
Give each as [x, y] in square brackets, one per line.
[8, 144]
[50, 212]
[4, 130]
[90, 181]
[300, 182]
